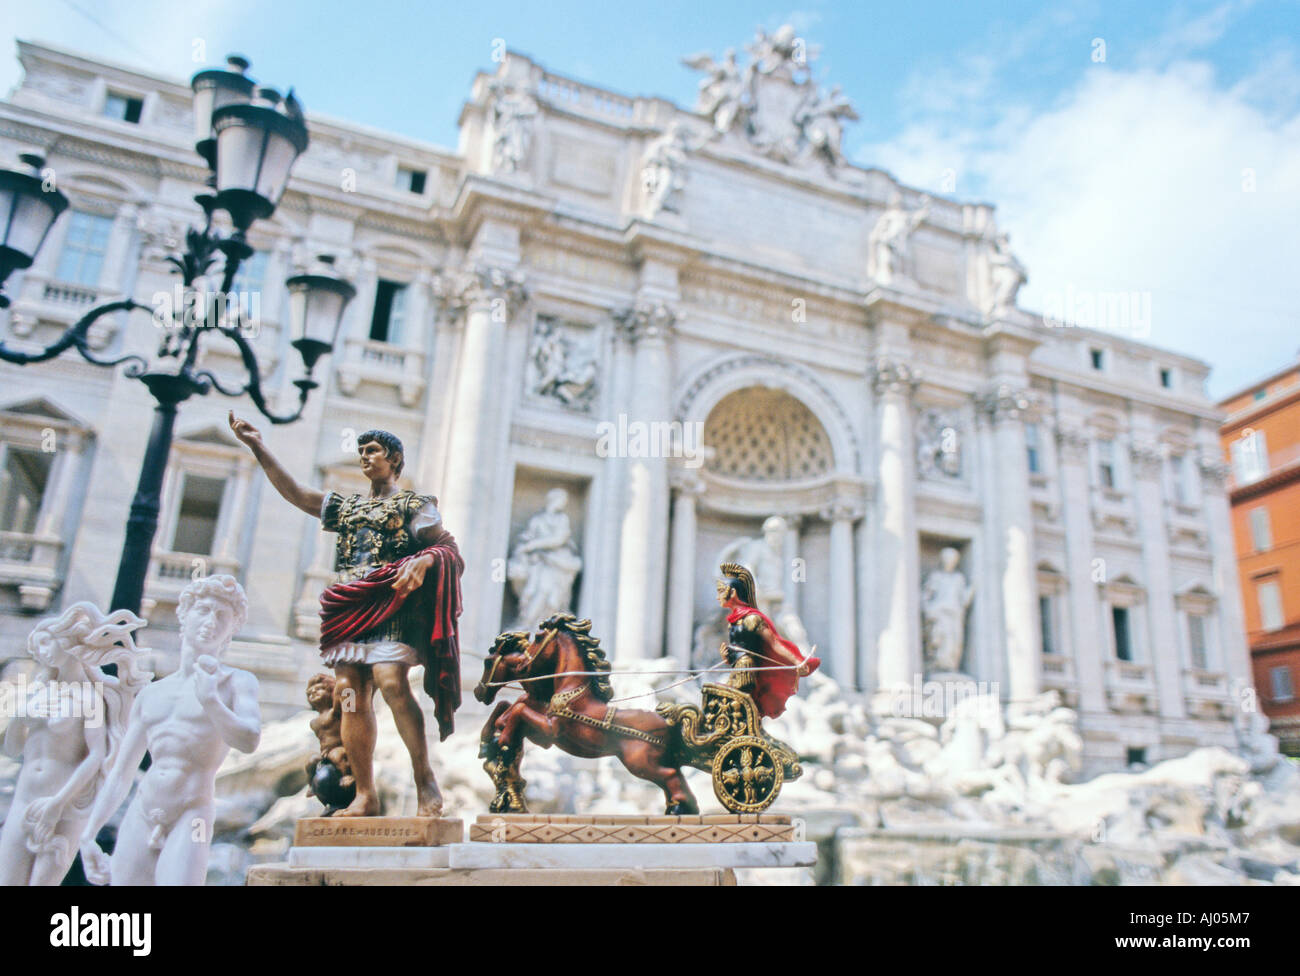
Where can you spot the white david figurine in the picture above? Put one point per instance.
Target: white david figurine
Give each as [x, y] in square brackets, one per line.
[188, 723]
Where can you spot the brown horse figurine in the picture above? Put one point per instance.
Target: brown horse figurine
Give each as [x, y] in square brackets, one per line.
[569, 706]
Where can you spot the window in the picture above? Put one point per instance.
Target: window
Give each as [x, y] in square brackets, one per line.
[196, 523]
[82, 257]
[1269, 595]
[1047, 621]
[1196, 644]
[411, 179]
[1032, 445]
[1261, 393]
[22, 486]
[1250, 456]
[123, 107]
[1166, 378]
[252, 271]
[1136, 756]
[390, 302]
[1280, 683]
[1178, 479]
[1106, 463]
[1119, 617]
[1098, 359]
[1261, 529]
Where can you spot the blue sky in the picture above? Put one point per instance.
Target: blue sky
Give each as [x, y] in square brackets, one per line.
[1166, 163]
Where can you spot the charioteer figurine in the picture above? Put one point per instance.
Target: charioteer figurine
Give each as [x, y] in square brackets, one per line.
[767, 666]
[395, 604]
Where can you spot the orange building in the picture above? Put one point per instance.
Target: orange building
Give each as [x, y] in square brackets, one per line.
[1261, 440]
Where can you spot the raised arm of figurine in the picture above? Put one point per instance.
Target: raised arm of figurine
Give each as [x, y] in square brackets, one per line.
[300, 496]
[240, 728]
[117, 784]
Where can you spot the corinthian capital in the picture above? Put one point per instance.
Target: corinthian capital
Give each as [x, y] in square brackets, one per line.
[1004, 402]
[645, 320]
[893, 376]
[1146, 458]
[1072, 442]
[482, 284]
[1213, 471]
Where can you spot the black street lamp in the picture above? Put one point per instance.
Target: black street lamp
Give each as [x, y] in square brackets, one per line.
[250, 138]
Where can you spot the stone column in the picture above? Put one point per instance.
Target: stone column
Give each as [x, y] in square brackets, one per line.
[898, 650]
[1165, 646]
[844, 618]
[681, 574]
[789, 553]
[1089, 645]
[485, 298]
[642, 542]
[1227, 584]
[54, 506]
[117, 253]
[1019, 579]
[232, 518]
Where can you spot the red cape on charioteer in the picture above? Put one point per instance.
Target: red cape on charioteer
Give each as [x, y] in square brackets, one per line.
[772, 689]
[349, 609]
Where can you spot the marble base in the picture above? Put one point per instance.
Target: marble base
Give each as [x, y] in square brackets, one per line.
[486, 855]
[282, 875]
[533, 864]
[369, 857]
[377, 832]
[541, 828]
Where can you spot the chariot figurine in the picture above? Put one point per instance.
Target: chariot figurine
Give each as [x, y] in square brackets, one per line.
[568, 702]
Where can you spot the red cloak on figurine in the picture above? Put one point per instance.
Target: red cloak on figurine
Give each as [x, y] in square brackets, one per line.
[348, 610]
[772, 689]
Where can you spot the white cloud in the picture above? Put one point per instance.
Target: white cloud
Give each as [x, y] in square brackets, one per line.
[1140, 180]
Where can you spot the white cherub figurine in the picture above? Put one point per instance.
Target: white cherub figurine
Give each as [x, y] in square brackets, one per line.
[188, 722]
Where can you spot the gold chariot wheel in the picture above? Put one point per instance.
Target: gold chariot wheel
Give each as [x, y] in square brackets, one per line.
[747, 775]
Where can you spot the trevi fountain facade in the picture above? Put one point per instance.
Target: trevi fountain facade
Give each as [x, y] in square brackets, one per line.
[624, 340]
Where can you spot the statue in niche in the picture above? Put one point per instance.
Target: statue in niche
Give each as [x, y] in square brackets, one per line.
[890, 239]
[765, 558]
[938, 447]
[68, 734]
[945, 597]
[1006, 276]
[563, 369]
[513, 114]
[544, 563]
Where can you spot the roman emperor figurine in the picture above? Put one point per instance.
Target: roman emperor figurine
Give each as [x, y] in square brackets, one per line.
[395, 604]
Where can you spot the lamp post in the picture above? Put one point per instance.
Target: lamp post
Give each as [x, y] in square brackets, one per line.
[250, 138]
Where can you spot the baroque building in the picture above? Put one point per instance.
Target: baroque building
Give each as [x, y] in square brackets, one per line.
[709, 328]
